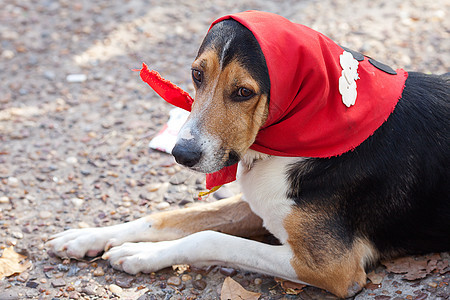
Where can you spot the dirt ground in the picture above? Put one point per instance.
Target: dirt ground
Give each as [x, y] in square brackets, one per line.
[74, 149]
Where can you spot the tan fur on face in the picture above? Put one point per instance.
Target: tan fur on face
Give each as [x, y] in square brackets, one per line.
[235, 124]
[323, 261]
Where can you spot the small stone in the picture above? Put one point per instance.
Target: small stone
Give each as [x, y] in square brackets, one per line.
[186, 277]
[13, 182]
[114, 163]
[130, 182]
[163, 205]
[153, 187]
[76, 78]
[199, 284]
[58, 283]
[45, 214]
[179, 178]
[8, 54]
[23, 277]
[257, 281]
[85, 172]
[227, 271]
[115, 289]
[77, 202]
[74, 295]
[433, 284]
[124, 281]
[31, 294]
[99, 271]
[83, 225]
[4, 199]
[198, 276]
[174, 280]
[49, 75]
[32, 284]
[89, 289]
[17, 234]
[73, 270]
[71, 160]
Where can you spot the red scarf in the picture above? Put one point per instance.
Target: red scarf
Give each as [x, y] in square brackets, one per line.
[318, 107]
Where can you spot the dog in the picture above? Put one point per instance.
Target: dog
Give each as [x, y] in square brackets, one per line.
[352, 199]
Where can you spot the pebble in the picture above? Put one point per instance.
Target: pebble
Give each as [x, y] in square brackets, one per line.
[125, 281]
[163, 205]
[433, 284]
[99, 271]
[45, 214]
[257, 281]
[32, 284]
[73, 270]
[186, 277]
[58, 283]
[115, 289]
[153, 187]
[179, 178]
[49, 75]
[4, 199]
[17, 234]
[76, 78]
[77, 202]
[83, 225]
[8, 54]
[174, 280]
[130, 182]
[71, 160]
[74, 295]
[227, 271]
[89, 289]
[23, 277]
[199, 284]
[13, 182]
[198, 276]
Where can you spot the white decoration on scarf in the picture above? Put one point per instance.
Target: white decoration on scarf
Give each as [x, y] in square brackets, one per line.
[347, 82]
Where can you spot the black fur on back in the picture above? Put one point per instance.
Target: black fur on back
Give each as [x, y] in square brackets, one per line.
[394, 189]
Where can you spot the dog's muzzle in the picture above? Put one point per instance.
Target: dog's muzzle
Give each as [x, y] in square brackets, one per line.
[187, 153]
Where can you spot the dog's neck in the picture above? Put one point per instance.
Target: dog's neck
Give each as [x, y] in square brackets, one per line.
[250, 157]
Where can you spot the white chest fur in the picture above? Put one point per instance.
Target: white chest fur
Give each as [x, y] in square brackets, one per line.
[264, 185]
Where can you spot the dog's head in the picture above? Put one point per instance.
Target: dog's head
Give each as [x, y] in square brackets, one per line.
[231, 104]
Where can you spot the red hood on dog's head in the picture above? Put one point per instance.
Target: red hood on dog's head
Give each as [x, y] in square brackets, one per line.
[323, 101]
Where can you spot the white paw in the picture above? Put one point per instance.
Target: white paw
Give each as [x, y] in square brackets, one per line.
[77, 243]
[142, 257]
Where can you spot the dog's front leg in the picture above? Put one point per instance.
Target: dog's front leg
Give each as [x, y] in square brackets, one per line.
[204, 248]
[232, 216]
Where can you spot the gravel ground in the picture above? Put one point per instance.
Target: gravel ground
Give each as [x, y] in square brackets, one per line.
[74, 153]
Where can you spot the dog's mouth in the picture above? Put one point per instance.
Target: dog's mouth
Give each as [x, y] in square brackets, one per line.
[233, 158]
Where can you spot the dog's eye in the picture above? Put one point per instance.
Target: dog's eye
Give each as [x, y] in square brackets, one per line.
[244, 93]
[197, 75]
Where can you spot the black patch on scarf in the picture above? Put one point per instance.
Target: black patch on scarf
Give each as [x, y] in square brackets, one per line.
[382, 67]
[356, 55]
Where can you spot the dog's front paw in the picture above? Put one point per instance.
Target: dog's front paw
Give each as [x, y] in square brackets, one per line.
[77, 243]
[141, 257]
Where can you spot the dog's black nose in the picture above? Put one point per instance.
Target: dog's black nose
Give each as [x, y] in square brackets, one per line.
[187, 153]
